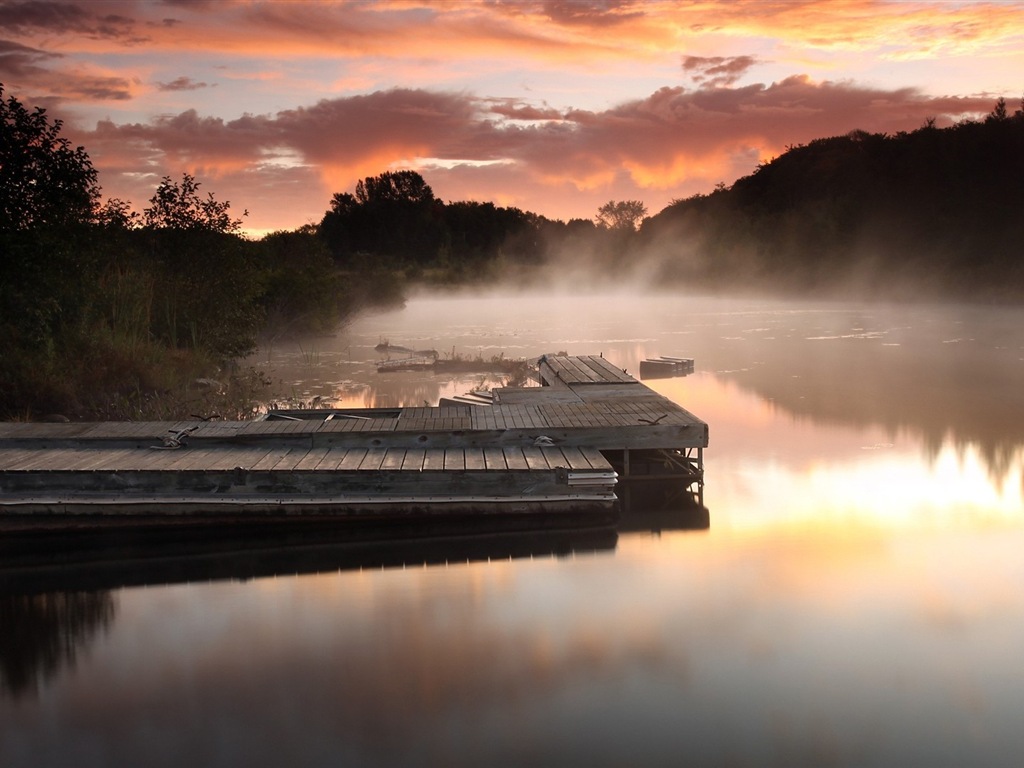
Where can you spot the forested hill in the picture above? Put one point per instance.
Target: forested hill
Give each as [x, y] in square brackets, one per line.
[934, 212]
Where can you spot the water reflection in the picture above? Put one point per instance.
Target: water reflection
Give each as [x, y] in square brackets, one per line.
[237, 558]
[53, 608]
[857, 600]
[45, 633]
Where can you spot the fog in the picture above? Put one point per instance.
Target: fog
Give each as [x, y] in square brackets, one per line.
[937, 371]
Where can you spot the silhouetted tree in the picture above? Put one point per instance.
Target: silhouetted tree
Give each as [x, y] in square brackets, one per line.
[392, 220]
[48, 193]
[209, 281]
[44, 180]
[624, 215]
[394, 187]
[998, 112]
[180, 206]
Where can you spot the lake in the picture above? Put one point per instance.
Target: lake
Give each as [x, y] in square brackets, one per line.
[853, 594]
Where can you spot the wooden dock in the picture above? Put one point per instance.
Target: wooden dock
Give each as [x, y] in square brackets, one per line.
[533, 453]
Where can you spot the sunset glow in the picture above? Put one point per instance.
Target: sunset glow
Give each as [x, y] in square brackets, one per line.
[552, 107]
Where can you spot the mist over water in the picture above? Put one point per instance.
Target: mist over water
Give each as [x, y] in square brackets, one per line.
[855, 600]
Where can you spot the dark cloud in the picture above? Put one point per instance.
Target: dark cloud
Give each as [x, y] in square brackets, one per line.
[21, 61]
[675, 140]
[23, 67]
[55, 17]
[516, 110]
[717, 71]
[197, 4]
[402, 119]
[670, 123]
[693, 123]
[182, 84]
[592, 13]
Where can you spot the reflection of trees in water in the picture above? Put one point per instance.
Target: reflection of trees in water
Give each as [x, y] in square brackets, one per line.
[43, 632]
[948, 376]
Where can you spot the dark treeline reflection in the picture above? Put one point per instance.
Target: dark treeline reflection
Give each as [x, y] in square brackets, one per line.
[943, 374]
[962, 396]
[43, 633]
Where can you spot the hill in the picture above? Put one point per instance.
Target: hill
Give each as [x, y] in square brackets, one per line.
[934, 212]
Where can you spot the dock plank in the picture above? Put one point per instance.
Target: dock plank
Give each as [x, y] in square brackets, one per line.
[475, 459]
[494, 458]
[15, 459]
[515, 459]
[353, 458]
[312, 459]
[574, 458]
[373, 459]
[393, 459]
[433, 459]
[332, 459]
[454, 459]
[607, 371]
[271, 460]
[413, 460]
[535, 458]
[595, 457]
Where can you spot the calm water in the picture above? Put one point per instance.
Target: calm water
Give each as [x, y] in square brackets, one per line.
[857, 599]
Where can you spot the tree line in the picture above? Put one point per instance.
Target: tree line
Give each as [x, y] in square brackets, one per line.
[931, 213]
[105, 310]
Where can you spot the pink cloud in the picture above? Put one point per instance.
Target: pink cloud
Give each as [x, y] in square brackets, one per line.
[673, 142]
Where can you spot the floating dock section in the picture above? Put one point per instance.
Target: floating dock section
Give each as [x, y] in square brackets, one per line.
[665, 367]
[539, 455]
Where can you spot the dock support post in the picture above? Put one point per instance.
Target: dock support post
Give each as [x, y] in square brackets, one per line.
[625, 462]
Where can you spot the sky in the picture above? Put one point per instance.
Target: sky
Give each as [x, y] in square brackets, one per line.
[551, 106]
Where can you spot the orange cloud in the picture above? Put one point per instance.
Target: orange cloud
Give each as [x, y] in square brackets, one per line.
[577, 34]
[254, 103]
[673, 138]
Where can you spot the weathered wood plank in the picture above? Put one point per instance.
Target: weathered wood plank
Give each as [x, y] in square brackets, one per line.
[494, 458]
[454, 459]
[515, 459]
[271, 460]
[574, 458]
[353, 458]
[475, 459]
[312, 458]
[582, 374]
[191, 458]
[393, 459]
[594, 456]
[413, 460]
[332, 459]
[39, 459]
[535, 458]
[16, 459]
[606, 370]
[433, 459]
[373, 459]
